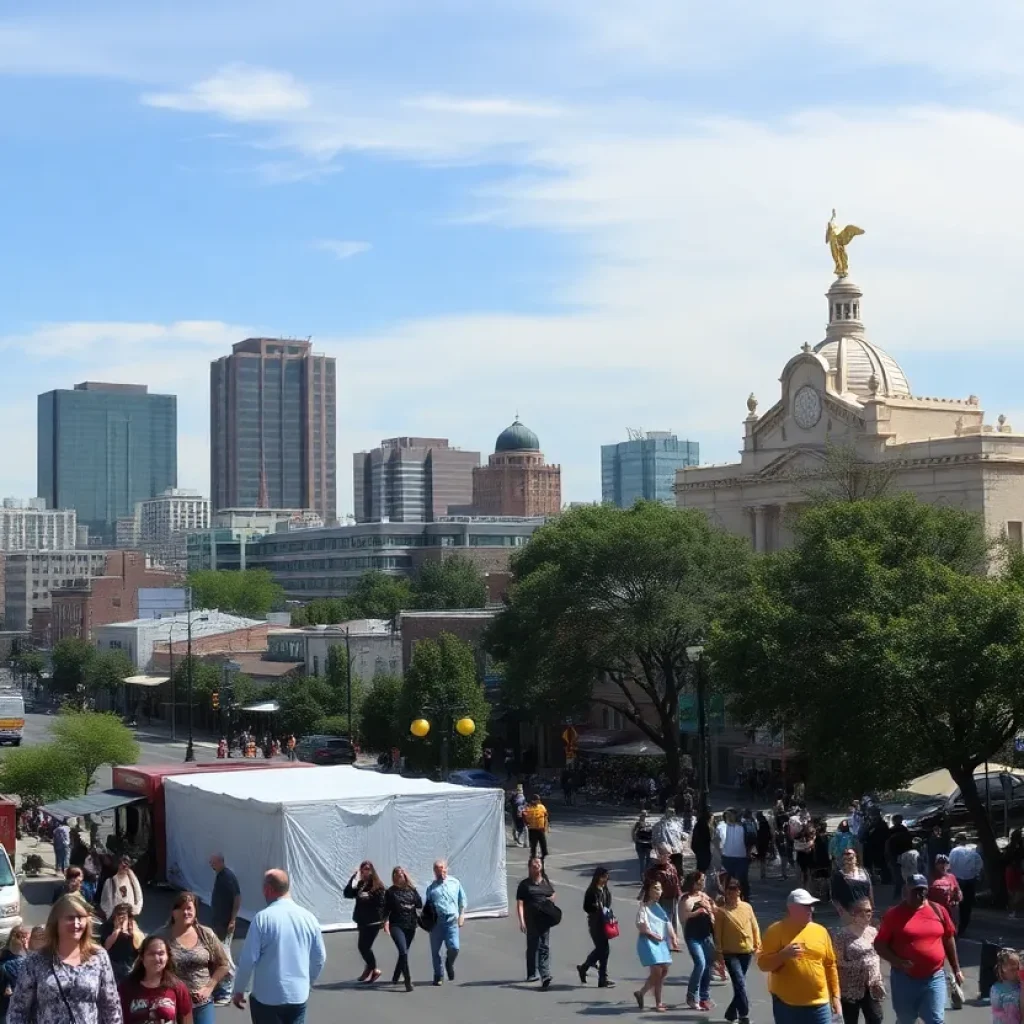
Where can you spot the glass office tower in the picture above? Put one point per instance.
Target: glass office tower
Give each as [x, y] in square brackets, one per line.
[102, 448]
[644, 467]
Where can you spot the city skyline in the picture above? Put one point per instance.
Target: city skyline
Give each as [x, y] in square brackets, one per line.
[603, 241]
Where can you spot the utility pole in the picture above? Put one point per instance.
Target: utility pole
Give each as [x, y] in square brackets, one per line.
[703, 744]
[170, 672]
[348, 679]
[190, 754]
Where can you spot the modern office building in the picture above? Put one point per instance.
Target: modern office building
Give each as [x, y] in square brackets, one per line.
[31, 526]
[411, 480]
[644, 467]
[102, 448]
[273, 427]
[225, 543]
[516, 481]
[329, 562]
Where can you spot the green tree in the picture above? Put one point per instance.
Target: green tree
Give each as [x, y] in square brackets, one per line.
[882, 646]
[442, 686]
[380, 715]
[207, 678]
[249, 592]
[615, 594]
[452, 583]
[300, 713]
[91, 739]
[29, 664]
[379, 596]
[107, 670]
[71, 659]
[40, 773]
[339, 677]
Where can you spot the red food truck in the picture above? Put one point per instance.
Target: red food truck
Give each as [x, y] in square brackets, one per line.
[133, 808]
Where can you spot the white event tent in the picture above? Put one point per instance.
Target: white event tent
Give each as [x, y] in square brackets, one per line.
[320, 823]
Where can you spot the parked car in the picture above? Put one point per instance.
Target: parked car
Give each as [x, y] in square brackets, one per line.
[921, 812]
[326, 750]
[477, 778]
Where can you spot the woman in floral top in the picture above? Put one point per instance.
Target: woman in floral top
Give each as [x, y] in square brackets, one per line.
[197, 956]
[859, 966]
[70, 978]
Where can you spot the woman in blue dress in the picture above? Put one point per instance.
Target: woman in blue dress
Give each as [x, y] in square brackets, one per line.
[655, 941]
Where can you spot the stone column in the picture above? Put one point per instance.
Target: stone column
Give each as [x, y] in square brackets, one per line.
[760, 528]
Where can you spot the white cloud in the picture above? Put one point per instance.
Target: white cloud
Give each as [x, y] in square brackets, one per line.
[89, 338]
[340, 249]
[494, 106]
[238, 93]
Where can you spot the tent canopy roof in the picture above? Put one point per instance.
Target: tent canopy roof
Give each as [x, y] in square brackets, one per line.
[333, 783]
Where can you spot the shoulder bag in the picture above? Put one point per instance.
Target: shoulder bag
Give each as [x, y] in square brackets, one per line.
[63, 996]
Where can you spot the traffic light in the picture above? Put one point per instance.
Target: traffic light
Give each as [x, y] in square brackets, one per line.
[216, 701]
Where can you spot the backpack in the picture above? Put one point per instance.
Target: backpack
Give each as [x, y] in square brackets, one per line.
[749, 832]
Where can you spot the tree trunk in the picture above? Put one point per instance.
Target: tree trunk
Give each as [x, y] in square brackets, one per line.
[670, 745]
[964, 778]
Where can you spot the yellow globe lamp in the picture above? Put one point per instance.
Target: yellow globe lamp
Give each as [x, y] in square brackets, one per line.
[465, 727]
[420, 728]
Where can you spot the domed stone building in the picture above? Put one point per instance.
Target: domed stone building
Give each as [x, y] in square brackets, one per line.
[516, 481]
[848, 393]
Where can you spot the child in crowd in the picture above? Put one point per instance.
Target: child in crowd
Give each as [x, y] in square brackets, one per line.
[1005, 992]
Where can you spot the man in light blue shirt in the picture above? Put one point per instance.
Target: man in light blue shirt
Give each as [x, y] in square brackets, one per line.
[283, 955]
[446, 895]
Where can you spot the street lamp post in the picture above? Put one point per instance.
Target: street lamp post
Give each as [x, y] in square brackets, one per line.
[190, 753]
[348, 682]
[696, 656]
[464, 726]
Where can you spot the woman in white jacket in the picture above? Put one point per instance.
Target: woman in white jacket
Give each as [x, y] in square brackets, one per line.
[122, 887]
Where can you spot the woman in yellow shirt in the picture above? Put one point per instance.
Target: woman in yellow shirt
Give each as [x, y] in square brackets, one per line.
[737, 940]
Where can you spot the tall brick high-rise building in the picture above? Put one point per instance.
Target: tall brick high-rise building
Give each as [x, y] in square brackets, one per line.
[273, 432]
[516, 481]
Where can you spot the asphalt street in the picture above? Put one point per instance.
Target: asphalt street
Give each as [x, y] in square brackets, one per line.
[490, 985]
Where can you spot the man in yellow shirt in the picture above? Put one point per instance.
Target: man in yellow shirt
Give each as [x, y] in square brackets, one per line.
[798, 957]
[535, 815]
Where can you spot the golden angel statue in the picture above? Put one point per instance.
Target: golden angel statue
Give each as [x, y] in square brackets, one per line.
[837, 241]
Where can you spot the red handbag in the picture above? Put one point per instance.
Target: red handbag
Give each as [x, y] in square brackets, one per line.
[611, 928]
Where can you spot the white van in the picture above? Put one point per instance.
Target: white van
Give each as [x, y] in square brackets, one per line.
[12, 717]
[10, 896]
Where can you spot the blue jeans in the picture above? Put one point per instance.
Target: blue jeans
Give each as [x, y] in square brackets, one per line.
[736, 964]
[703, 953]
[739, 868]
[643, 854]
[914, 998]
[285, 1013]
[446, 931]
[224, 986]
[786, 1014]
[204, 1014]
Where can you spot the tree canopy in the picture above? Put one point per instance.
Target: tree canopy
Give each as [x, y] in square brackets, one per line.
[248, 592]
[882, 646]
[380, 714]
[107, 670]
[70, 659]
[376, 595]
[441, 685]
[615, 595]
[451, 583]
[40, 773]
[90, 739]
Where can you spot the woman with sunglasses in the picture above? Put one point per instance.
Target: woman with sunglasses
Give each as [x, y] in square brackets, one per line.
[737, 942]
[859, 966]
[850, 883]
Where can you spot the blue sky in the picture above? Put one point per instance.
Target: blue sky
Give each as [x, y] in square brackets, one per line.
[602, 215]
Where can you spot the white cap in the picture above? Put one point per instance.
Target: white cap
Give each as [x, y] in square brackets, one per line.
[801, 897]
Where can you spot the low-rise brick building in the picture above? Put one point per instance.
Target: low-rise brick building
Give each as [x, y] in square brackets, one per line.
[79, 608]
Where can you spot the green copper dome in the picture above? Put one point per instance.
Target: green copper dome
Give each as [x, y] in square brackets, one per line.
[517, 438]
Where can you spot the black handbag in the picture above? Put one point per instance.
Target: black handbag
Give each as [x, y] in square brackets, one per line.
[549, 913]
[427, 917]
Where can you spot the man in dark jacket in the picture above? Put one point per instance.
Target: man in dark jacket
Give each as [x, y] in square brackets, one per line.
[900, 840]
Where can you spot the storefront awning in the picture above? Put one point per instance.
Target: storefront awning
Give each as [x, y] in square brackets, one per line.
[637, 748]
[762, 752]
[267, 707]
[147, 680]
[94, 803]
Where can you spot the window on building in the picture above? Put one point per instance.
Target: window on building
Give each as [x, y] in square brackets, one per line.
[114, 645]
[1015, 534]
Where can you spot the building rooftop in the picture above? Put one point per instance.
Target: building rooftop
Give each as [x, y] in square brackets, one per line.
[517, 438]
[449, 613]
[355, 627]
[205, 622]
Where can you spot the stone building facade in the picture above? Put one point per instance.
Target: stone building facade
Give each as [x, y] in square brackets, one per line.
[847, 393]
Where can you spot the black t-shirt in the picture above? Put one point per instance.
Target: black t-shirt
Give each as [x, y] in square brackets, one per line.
[533, 894]
[222, 900]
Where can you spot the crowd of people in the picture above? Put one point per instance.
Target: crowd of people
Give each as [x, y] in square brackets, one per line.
[249, 745]
[61, 973]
